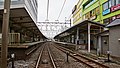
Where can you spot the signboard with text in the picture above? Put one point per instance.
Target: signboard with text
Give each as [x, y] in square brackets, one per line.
[114, 8]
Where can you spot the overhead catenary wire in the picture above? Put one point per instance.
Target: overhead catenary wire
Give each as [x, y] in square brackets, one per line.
[61, 9]
[70, 16]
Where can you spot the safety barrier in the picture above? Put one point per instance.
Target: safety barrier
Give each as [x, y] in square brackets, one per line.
[14, 38]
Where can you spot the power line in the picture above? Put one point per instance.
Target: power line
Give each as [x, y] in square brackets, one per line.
[61, 9]
[70, 16]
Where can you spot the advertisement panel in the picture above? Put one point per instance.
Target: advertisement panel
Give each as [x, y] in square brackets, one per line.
[107, 11]
[114, 8]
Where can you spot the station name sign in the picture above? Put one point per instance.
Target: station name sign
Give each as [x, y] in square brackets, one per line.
[114, 8]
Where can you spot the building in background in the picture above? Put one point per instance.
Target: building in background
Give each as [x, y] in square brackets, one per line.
[29, 5]
[103, 11]
[23, 19]
[114, 37]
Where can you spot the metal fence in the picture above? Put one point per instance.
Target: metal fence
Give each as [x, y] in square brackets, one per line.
[14, 38]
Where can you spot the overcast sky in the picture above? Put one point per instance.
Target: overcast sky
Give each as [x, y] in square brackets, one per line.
[54, 9]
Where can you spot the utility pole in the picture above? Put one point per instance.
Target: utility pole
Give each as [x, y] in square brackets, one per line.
[4, 47]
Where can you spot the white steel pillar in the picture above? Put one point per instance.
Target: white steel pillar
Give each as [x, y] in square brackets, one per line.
[89, 37]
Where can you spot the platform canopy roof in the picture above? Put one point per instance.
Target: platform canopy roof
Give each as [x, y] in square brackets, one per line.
[83, 26]
[21, 22]
[114, 23]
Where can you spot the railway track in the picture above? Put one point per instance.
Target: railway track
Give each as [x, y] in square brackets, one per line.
[45, 59]
[81, 58]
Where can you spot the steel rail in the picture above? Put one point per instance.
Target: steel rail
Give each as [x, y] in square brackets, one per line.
[54, 65]
[39, 58]
[77, 56]
[28, 53]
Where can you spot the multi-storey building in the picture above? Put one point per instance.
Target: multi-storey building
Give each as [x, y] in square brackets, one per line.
[23, 18]
[103, 11]
[29, 5]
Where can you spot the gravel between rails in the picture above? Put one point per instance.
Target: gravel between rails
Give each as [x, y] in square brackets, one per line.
[29, 63]
[60, 58]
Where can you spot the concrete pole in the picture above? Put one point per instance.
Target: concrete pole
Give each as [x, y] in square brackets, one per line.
[99, 46]
[4, 47]
[70, 23]
[89, 37]
[77, 36]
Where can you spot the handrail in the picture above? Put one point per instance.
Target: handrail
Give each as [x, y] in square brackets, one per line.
[14, 38]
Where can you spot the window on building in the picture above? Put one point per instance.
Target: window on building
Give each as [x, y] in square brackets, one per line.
[93, 12]
[80, 14]
[90, 13]
[11, 0]
[83, 17]
[105, 6]
[106, 21]
[110, 3]
[87, 15]
[97, 10]
[88, 3]
[14, 0]
[113, 2]
[117, 2]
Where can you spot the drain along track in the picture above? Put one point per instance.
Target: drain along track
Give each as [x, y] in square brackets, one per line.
[45, 59]
[83, 59]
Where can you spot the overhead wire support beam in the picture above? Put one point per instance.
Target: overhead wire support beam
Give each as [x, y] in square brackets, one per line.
[5, 26]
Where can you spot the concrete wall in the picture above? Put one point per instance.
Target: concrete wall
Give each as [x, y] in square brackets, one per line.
[114, 44]
[104, 44]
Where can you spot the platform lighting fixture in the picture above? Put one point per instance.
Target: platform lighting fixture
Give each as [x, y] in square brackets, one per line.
[119, 39]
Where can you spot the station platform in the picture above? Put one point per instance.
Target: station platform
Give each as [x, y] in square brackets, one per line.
[24, 45]
[92, 54]
[21, 51]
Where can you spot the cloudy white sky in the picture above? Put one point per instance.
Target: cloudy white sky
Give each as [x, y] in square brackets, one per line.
[54, 9]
